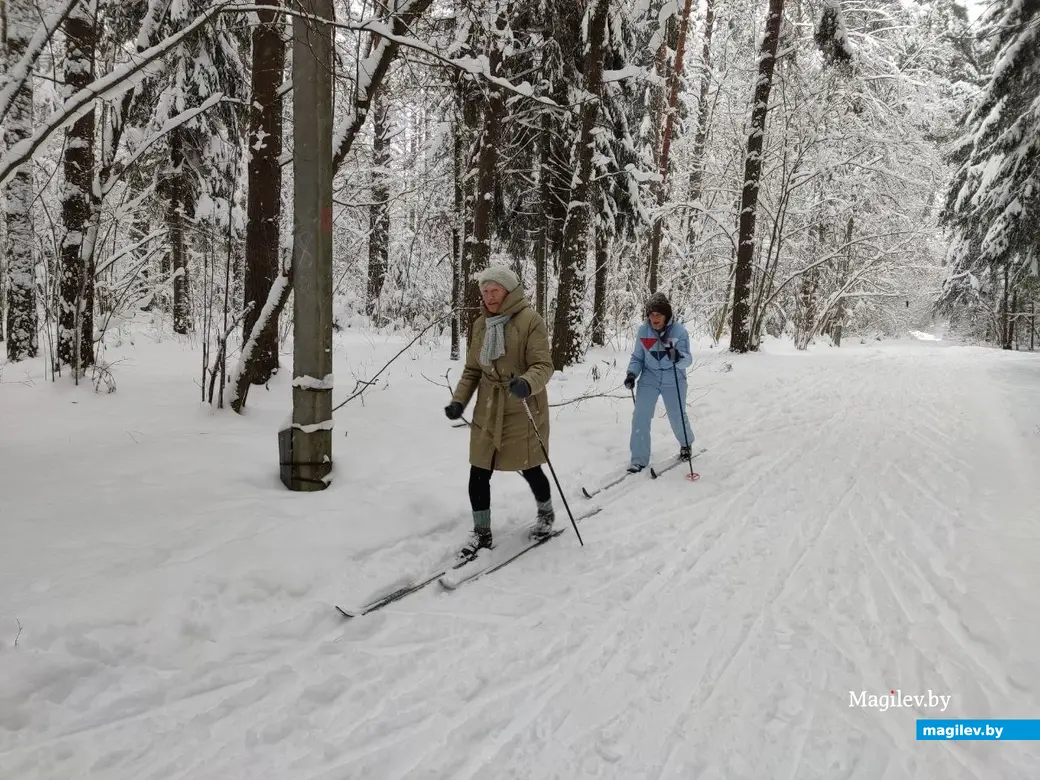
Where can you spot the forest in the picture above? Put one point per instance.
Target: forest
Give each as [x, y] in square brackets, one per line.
[789, 169]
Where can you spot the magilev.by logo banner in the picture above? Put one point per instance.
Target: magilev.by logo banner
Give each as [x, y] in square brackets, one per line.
[897, 698]
[978, 729]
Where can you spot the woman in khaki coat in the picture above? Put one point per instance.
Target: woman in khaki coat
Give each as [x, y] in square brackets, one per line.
[508, 361]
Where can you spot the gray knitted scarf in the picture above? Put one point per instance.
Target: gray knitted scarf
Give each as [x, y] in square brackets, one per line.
[494, 345]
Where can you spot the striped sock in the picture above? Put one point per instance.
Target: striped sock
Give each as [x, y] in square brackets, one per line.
[545, 507]
[482, 519]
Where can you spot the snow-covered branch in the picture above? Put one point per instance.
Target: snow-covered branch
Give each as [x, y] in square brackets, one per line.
[106, 88]
[15, 77]
[121, 166]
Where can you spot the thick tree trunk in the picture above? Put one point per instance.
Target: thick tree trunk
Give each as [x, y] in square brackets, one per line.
[487, 173]
[567, 342]
[22, 319]
[740, 334]
[379, 211]
[264, 198]
[76, 282]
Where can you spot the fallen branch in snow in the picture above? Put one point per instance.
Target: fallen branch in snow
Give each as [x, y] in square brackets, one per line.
[19, 622]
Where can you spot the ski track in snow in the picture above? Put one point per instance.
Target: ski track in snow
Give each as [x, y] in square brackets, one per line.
[865, 520]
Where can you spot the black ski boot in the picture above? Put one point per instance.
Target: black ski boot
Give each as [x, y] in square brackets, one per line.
[635, 468]
[684, 453]
[480, 539]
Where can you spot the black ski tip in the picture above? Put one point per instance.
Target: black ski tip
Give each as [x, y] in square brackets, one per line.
[586, 493]
[653, 474]
[344, 613]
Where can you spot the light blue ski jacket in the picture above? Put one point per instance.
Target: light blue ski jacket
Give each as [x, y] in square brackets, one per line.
[650, 355]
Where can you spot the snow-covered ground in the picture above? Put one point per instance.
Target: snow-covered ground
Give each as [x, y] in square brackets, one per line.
[866, 520]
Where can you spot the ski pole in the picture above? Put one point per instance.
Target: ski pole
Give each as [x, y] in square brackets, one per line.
[545, 452]
[682, 411]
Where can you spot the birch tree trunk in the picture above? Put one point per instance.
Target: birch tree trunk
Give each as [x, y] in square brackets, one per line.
[567, 342]
[76, 277]
[22, 318]
[264, 197]
[740, 333]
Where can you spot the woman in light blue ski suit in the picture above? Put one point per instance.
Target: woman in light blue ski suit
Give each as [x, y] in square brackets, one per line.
[660, 357]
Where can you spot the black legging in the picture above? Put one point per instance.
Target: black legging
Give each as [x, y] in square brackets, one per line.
[480, 486]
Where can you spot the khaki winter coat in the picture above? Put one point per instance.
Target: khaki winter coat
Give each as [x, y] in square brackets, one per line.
[501, 438]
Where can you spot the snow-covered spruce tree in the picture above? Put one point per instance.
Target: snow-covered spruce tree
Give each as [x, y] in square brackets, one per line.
[621, 215]
[993, 204]
[568, 342]
[203, 150]
[22, 318]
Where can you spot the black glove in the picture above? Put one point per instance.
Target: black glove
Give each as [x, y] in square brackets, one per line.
[673, 354]
[519, 387]
[453, 411]
[630, 381]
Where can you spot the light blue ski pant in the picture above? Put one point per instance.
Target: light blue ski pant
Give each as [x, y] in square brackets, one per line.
[647, 393]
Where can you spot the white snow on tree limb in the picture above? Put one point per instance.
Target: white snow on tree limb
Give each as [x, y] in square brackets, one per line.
[108, 87]
[249, 347]
[12, 80]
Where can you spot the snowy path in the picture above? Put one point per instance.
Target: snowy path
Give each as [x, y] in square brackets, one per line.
[866, 520]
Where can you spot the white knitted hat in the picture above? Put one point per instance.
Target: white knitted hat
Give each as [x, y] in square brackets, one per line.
[499, 274]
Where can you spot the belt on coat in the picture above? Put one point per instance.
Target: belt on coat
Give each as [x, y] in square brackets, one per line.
[499, 392]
